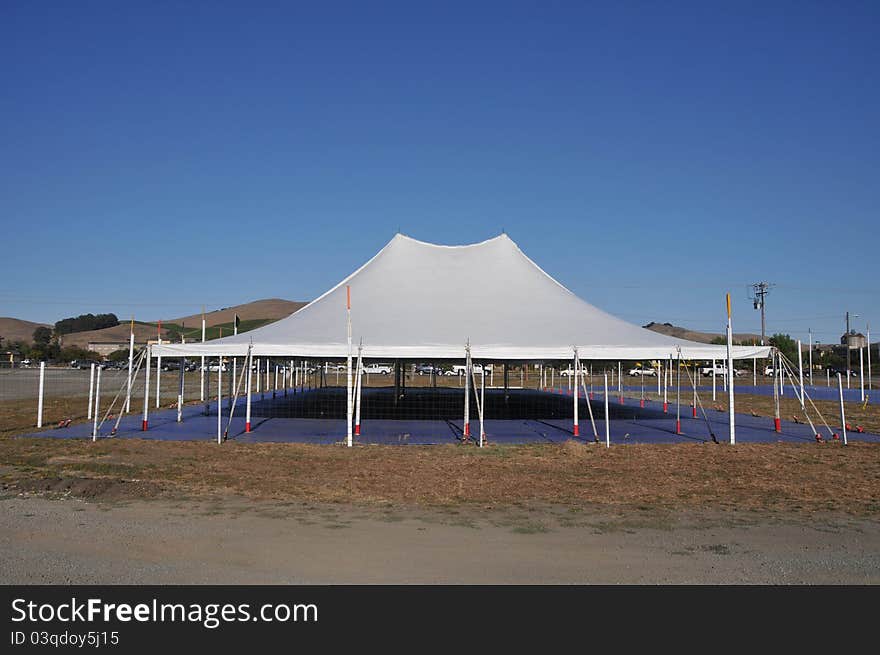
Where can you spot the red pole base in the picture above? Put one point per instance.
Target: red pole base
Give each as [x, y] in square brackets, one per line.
[677, 426]
[777, 425]
[591, 395]
[695, 411]
[357, 430]
[642, 402]
[665, 408]
[621, 400]
[247, 426]
[577, 430]
[144, 426]
[467, 429]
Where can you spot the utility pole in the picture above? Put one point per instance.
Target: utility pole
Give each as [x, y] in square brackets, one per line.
[760, 290]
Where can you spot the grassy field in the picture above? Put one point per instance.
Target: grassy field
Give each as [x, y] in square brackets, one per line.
[768, 477]
[796, 478]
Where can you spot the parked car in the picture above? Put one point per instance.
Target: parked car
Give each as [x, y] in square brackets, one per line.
[720, 369]
[852, 372]
[643, 372]
[460, 369]
[428, 369]
[378, 369]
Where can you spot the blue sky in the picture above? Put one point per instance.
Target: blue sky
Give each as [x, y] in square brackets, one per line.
[652, 156]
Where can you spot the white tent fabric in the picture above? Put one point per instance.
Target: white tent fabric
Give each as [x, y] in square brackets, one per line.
[426, 301]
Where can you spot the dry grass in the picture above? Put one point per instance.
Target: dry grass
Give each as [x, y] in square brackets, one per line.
[791, 478]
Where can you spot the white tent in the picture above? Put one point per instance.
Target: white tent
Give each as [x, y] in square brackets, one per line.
[427, 301]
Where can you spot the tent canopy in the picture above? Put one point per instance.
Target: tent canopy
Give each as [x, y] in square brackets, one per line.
[421, 300]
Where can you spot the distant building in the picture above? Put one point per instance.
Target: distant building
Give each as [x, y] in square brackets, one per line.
[855, 340]
[104, 348]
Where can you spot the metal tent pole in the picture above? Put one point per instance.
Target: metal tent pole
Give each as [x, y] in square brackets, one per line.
[607, 418]
[130, 362]
[467, 392]
[348, 385]
[97, 405]
[360, 369]
[146, 419]
[40, 394]
[249, 362]
[91, 388]
[730, 408]
[220, 400]
[678, 397]
[577, 392]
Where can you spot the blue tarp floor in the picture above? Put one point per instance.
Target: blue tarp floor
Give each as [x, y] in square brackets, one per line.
[629, 423]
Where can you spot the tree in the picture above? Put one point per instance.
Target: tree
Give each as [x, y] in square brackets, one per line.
[120, 355]
[71, 353]
[85, 322]
[42, 336]
[786, 345]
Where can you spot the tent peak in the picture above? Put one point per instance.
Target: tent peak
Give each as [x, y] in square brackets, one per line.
[400, 236]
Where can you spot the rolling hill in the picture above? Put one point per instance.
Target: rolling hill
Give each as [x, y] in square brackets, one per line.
[701, 337]
[15, 329]
[252, 314]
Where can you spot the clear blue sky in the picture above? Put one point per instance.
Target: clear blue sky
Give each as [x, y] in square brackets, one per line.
[159, 156]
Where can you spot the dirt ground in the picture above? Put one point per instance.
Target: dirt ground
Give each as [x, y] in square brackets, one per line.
[235, 541]
[189, 512]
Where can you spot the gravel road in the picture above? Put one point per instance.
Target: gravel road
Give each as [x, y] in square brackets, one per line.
[64, 541]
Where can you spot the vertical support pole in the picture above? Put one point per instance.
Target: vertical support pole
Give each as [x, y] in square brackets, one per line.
[755, 372]
[714, 398]
[678, 397]
[482, 405]
[730, 408]
[577, 392]
[842, 410]
[249, 362]
[97, 405]
[467, 393]
[275, 388]
[207, 387]
[202, 377]
[91, 388]
[231, 383]
[694, 400]
[146, 419]
[780, 374]
[159, 367]
[777, 423]
[259, 373]
[220, 400]
[130, 363]
[358, 382]
[869, 358]
[180, 390]
[810, 353]
[620, 380]
[348, 386]
[666, 376]
[40, 394]
[862, 373]
[801, 371]
[659, 369]
[607, 418]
